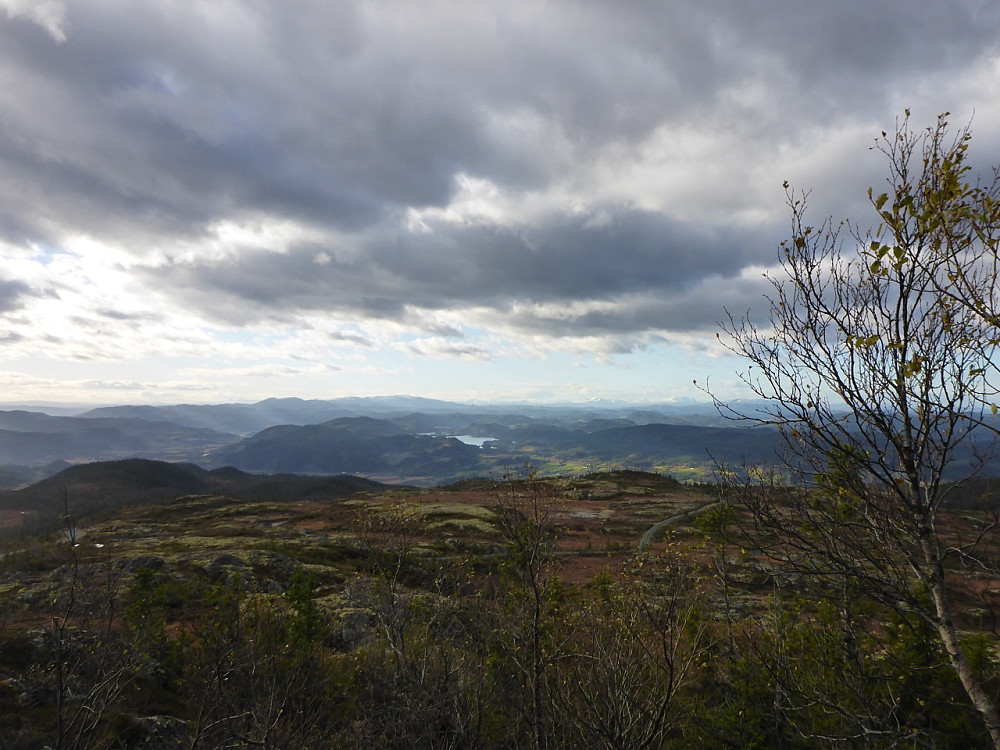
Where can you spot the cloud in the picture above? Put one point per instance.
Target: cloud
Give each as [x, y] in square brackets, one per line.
[597, 176]
[342, 116]
[612, 255]
[48, 14]
[252, 371]
[438, 348]
[12, 293]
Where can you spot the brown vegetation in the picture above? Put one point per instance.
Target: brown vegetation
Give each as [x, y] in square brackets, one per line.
[481, 615]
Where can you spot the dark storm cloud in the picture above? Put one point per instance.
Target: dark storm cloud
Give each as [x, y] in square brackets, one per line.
[124, 316]
[12, 294]
[155, 122]
[565, 260]
[867, 43]
[698, 310]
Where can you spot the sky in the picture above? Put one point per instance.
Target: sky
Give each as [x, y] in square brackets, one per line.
[517, 200]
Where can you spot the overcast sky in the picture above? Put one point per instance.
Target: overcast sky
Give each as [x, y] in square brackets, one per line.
[214, 200]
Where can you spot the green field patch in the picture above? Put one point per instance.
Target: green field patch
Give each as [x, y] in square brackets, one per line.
[195, 541]
[7, 589]
[459, 518]
[320, 556]
[455, 510]
[464, 526]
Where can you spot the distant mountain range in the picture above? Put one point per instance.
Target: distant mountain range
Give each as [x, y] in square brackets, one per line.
[246, 419]
[34, 438]
[398, 439]
[391, 439]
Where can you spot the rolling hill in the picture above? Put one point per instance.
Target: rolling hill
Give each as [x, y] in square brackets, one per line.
[354, 445]
[107, 485]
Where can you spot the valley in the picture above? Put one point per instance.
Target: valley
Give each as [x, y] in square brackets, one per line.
[384, 439]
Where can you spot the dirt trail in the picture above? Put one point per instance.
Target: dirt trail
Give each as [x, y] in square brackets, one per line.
[656, 528]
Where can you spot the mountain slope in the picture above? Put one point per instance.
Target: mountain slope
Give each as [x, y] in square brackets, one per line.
[356, 445]
[104, 485]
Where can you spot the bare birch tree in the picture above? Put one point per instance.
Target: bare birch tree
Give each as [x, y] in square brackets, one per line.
[877, 377]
